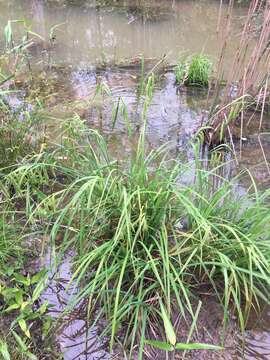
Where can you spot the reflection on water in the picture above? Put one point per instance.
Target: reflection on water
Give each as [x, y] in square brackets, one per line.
[256, 342]
[88, 32]
[74, 337]
[172, 116]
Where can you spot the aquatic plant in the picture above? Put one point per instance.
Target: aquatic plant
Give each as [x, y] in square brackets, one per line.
[143, 236]
[199, 70]
[21, 314]
[194, 71]
[181, 72]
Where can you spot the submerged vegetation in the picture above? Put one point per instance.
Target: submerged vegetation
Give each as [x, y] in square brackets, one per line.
[148, 236]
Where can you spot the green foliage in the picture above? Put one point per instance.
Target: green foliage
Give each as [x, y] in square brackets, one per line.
[10, 238]
[170, 334]
[19, 301]
[21, 298]
[4, 350]
[15, 142]
[22, 349]
[142, 235]
[25, 25]
[20, 130]
[172, 345]
[199, 70]
[181, 72]
[194, 70]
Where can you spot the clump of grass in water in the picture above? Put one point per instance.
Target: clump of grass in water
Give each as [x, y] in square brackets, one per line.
[143, 238]
[125, 225]
[194, 71]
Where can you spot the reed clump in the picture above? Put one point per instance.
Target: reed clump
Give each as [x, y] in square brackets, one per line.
[247, 81]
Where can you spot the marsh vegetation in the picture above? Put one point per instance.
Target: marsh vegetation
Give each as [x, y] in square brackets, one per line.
[116, 243]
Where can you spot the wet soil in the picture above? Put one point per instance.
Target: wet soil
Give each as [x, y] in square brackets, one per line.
[79, 338]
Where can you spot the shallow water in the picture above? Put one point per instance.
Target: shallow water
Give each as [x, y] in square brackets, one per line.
[88, 35]
[74, 338]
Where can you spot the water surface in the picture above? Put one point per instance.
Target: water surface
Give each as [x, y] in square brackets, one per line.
[87, 32]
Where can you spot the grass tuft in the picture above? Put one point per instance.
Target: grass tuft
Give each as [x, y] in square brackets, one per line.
[194, 71]
[141, 236]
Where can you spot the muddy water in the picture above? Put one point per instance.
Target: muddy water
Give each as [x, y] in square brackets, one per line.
[75, 339]
[88, 34]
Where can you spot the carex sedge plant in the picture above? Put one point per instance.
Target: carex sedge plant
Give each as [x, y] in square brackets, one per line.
[229, 238]
[119, 220]
[124, 223]
[143, 236]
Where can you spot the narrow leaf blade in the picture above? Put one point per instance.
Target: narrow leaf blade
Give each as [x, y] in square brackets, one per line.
[159, 345]
[197, 346]
[168, 325]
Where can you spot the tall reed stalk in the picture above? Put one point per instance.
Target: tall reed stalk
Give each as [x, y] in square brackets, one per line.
[248, 73]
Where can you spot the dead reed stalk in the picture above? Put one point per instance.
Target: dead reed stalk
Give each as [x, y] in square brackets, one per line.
[248, 78]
